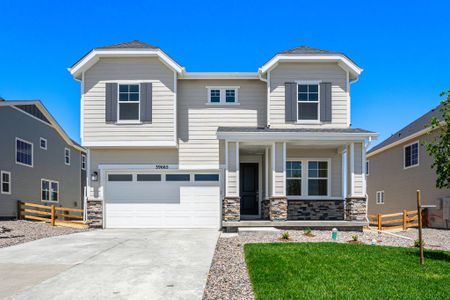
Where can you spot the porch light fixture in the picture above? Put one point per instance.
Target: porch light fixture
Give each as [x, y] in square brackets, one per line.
[94, 176]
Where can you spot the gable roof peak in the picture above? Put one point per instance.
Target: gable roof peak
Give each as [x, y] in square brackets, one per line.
[303, 49]
[135, 44]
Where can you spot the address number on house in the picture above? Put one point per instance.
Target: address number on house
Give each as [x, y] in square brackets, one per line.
[161, 167]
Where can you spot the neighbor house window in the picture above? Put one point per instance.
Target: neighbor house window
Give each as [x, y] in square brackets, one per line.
[5, 178]
[317, 178]
[367, 168]
[380, 197]
[24, 152]
[293, 178]
[67, 156]
[224, 95]
[308, 102]
[411, 155]
[49, 190]
[43, 143]
[128, 102]
[83, 162]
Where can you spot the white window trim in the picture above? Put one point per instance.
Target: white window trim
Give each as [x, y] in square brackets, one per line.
[137, 121]
[66, 163]
[50, 190]
[307, 82]
[418, 155]
[222, 90]
[367, 168]
[32, 153]
[83, 162]
[9, 182]
[305, 179]
[40, 143]
[377, 199]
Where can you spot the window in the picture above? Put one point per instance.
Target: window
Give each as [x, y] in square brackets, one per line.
[24, 152]
[128, 102]
[120, 177]
[317, 178]
[149, 177]
[293, 178]
[49, 190]
[380, 197]
[206, 177]
[83, 162]
[43, 143]
[5, 178]
[178, 177]
[367, 168]
[411, 155]
[308, 102]
[223, 95]
[67, 156]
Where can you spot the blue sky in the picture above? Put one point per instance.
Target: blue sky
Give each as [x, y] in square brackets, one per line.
[403, 46]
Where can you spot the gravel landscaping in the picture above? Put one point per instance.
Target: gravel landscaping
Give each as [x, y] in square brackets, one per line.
[20, 231]
[228, 277]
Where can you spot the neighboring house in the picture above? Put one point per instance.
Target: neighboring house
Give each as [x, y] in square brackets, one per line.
[38, 163]
[399, 166]
[171, 148]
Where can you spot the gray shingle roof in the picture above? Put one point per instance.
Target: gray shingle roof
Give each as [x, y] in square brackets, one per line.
[300, 130]
[136, 44]
[412, 128]
[307, 50]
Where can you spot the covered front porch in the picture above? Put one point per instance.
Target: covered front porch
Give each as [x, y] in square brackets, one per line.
[294, 177]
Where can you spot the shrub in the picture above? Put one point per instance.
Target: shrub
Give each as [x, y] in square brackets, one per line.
[285, 235]
[307, 231]
[417, 243]
[355, 238]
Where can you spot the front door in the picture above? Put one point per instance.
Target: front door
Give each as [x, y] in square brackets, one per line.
[249, 188]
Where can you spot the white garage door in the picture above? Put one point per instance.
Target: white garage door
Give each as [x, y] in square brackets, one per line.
[171, 200]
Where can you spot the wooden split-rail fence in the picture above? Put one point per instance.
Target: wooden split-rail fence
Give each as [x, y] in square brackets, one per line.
[397, 221]
[60, 216]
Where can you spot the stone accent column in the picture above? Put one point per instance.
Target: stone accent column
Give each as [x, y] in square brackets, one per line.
[95, 213]
[231, 209]
[355, 209]
[265, 209]
[278, 210]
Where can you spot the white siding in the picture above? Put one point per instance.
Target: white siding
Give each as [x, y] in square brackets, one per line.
[326, 72]
[279, 181]
[359, 174]
[122, 69]
[232, 170]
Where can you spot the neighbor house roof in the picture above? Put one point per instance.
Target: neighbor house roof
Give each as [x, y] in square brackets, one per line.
[47, 118]
[419, 126]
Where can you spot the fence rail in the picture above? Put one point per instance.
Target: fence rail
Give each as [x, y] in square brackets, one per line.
[62, 216]
[403, 220]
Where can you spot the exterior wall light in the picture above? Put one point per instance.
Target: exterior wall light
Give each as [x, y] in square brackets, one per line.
[94, 176]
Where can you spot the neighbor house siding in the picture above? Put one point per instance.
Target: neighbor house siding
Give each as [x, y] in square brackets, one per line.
[291, 72]
[161, 129]
[198, 121]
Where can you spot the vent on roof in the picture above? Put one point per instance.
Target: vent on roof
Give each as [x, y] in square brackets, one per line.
[1, 98]
[34, 111]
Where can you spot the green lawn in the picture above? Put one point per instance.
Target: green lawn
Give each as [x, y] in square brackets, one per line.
[344, 271]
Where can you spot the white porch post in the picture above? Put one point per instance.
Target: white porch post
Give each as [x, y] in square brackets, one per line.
[278, 200]
[356, 202]
[231, 202]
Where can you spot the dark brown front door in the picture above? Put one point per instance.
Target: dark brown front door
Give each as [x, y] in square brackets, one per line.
[249, 188]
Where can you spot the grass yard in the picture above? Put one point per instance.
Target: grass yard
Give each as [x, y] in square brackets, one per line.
[344, 271]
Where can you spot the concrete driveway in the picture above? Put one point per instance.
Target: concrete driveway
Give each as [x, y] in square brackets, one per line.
[110, 264]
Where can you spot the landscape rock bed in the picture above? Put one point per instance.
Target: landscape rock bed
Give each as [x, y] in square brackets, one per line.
[20, 231]
[228, 277]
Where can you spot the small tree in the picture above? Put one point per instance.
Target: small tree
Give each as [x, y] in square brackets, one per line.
[439, 148]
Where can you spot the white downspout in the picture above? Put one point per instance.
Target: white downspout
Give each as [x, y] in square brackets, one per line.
[267, 81]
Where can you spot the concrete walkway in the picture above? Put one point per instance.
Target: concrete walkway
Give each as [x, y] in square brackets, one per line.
[110, 264]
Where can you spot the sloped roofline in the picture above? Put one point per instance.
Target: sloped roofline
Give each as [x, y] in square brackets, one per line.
[47, 114]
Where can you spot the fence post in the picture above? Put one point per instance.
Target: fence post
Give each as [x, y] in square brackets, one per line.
[52, 216]
[379, 221]
[405, 219]
[19, 208]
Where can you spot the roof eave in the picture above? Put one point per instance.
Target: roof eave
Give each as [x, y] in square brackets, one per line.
[292, 136]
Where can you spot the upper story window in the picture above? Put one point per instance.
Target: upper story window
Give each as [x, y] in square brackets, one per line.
[67, 156]
[43, 143]
[24, 152]
[129, 103]
[223, 95]
[308, 102]
[411, 155]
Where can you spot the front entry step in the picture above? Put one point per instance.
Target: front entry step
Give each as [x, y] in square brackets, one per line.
[258, 230]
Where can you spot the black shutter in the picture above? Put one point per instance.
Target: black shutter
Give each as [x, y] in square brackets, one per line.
[325, 102]
[290, 101]
[111, 102]
[146, 102]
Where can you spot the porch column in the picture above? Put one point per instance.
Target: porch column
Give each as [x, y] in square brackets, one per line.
[356, 201]
[231, 203]
[278, 201]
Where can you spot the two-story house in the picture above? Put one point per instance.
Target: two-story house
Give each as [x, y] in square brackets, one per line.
[38, 161]
[171, 148]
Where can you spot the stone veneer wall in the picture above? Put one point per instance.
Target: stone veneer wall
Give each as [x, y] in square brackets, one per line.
[231, 209]
[304, 210]
[356, 209]
[95, 213]
[278, 209]
[265, 209]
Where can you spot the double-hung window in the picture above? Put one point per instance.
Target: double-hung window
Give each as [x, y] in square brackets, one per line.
[49, 190]
[129, 102]
[67, 156]
[223, 95]
[293, 178]
[411, 155]
[308, 102]
[83, 162]
[24, 152]
[43, 143]
[380, 197]
[317, 178]
[5, 178]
